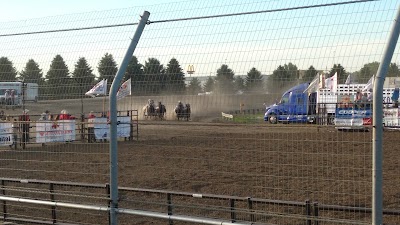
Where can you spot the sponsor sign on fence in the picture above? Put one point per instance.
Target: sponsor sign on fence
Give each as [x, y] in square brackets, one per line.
[102, 128]
[391, 117]
[55, 131]
[6, 134]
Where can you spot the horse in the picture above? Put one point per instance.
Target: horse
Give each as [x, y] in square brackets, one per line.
[160, 111]
[148, 111]
[183, 112]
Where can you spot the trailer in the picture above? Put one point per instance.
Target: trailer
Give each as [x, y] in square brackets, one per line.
[13, 94]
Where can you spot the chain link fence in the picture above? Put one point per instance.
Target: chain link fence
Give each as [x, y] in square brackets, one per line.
[236, 113]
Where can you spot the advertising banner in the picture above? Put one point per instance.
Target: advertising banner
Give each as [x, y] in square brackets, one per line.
[55, 131]
[102, 128]
[6, 134]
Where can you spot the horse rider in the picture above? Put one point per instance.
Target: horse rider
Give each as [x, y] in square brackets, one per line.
[180, 105]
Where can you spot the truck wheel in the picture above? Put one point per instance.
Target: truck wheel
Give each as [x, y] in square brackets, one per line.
[273, 119]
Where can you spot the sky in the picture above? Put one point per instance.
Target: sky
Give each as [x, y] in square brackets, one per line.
[351, 35]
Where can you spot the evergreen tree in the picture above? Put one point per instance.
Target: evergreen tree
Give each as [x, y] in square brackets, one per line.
[57, 79]
[310, 74]
[278, 80]
[33, 74]
[224, 80]
[107, 69]
[209, 85]
[83, 77]
[154, 76]
[134, 71]
[292, 71]
[254, 81]
[194, 87]
[175, 78]
[7, 70]
[341, 73]
[239, 84]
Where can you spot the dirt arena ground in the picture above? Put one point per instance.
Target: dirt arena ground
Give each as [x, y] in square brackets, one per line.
[283, 162]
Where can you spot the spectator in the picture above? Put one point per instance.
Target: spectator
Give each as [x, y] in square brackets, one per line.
[65, 115]
[12, 97]
[24, 125]
[7, 96]
[43, 117]
[91, 135]
[91, 115]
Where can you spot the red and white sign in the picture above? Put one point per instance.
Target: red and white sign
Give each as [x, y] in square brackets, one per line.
[55, 131]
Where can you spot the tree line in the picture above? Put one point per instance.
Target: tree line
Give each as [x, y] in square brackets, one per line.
[154, 78]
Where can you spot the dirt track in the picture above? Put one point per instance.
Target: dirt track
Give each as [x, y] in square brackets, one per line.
[285, 162]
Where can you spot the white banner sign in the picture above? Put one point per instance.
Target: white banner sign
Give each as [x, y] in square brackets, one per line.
[102, 128]
[391, 117]
[6, 134]
[55, 131]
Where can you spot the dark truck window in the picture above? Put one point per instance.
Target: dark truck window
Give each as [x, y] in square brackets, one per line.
[285, 99]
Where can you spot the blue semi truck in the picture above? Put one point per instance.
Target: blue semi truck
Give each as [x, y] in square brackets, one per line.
[323, 106]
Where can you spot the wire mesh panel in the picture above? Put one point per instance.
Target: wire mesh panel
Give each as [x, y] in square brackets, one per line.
[241, 112]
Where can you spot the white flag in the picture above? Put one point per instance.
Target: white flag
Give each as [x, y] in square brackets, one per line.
[369, 85]
[98, 89]
[348, 80]
[124, 90]
[314, 84]
[333, 86]
[331, 83]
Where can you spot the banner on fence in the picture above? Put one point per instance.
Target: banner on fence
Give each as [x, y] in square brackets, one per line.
[102, 128]
[391, 117]
[55, 131]
[6, 134]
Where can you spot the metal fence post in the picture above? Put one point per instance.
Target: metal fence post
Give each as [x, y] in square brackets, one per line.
[233, 214]
[53, 208]
[377, 126]
[3, 191]
[316, 213]
[169, 202]
[308, 212]
[113, 118]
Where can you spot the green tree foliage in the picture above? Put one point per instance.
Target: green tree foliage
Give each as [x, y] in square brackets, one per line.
[370, 69]
[57, 79]
[254, 82]
[367, 72]
[7, 70]
[239, 83]
[393, 70]
[107, 69]
[341, 73]
[194, 87]
[33, 74]
[281, 78]
[134, 71]
[310, 74]
[292, 71]
[209, 85]
[175, 78]
[224, 80]
[154, 76]
[83, 77]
